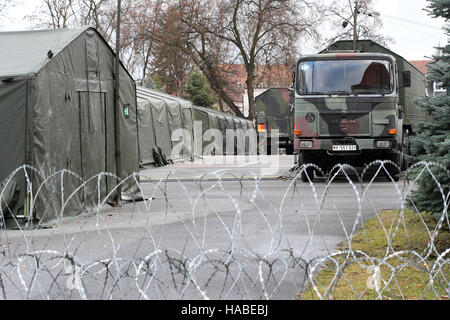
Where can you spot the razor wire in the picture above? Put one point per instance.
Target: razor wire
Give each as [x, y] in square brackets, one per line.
[219, 236]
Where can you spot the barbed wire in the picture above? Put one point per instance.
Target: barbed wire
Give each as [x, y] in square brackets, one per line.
[219, 238]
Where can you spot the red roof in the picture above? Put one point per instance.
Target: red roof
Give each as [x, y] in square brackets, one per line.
[421, 65]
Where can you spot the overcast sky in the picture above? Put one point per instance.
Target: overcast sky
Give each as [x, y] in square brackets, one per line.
[414, 32]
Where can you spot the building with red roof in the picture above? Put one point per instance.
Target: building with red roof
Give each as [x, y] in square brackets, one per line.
[268, 76]
[433, 88]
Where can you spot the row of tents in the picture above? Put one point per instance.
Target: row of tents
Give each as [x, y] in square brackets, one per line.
[57, 112]
[160, 116]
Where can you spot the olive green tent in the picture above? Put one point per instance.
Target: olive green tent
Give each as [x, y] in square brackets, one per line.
[180, 116]
[57, 112]
[212, 119]
[160, 115]
[201, 115]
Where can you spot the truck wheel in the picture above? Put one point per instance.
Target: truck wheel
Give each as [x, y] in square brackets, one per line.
[393, 171]
[289, 149]
[308, 172]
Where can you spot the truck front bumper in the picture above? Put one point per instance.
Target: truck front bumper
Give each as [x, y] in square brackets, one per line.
[346, 145]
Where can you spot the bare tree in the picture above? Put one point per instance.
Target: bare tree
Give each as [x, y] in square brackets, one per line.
[4, 4]
[353, 20]
[139, 31]
[54, 14]
[211, 54]
[171, 63]
[153, 34]
[258, 31]
[100, 14]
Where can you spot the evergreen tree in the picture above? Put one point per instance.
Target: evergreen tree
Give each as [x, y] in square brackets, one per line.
[153, 82]
[199, 91]
[432, 142]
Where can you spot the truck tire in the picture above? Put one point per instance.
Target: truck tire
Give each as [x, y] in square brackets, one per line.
[308, 172]
[289, 149]
[393, 171]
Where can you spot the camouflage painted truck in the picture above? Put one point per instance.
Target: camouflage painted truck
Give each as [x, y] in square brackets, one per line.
[275, 110]
[355, 107]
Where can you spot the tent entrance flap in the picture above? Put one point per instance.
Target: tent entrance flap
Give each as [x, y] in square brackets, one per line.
[13, 106]
[94, 144]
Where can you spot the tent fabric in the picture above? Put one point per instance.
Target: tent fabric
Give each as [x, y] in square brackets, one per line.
[169, 114]
[160, 133]
[188, 124]
[26, 52]
[147, 137]
[63, 105]
[230, 122]
[221, 121]
[161, 114]
[8, 193]
[202, 116]
[184, 140]
[13, 117]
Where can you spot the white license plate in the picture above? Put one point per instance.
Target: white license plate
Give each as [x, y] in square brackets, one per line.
[345, 148]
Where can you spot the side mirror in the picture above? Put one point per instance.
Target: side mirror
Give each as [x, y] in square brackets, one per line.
[406, 79]
[401, 113]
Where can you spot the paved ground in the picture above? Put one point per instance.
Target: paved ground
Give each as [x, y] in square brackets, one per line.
[236, 215]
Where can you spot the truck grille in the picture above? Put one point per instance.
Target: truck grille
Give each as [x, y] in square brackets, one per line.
[338, 124]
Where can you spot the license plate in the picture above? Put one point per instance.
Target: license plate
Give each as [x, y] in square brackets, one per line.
[345, 148]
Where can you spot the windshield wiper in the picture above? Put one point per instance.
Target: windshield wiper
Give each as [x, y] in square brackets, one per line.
[346, 93]
[312, 93]
[331, 93]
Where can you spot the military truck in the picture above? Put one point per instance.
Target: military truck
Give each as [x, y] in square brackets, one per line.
[355, 107]
[274, 109]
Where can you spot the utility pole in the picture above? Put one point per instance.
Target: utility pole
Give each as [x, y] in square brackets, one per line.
[117, 107]
[355, 25]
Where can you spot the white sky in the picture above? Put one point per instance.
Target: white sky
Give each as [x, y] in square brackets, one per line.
[413, 40]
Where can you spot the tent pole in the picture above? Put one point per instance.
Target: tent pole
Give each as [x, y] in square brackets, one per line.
[117, 105]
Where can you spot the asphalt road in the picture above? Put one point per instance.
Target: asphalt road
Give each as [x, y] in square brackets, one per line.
[241, 230]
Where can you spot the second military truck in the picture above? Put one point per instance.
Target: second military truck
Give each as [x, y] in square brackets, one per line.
[275, 111]
[355, 107]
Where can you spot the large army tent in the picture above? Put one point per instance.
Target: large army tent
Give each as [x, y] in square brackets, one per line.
[57, 112]
[180, 117]
[212, 119]
[209, 120]
[148, 126]
[160, 115]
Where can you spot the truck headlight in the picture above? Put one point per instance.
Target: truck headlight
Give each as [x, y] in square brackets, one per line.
[306, 144]
[383, 144]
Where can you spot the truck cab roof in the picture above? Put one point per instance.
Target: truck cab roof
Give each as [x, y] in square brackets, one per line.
[346, 55]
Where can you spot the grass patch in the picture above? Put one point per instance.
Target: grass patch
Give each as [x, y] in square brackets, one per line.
[405, 264]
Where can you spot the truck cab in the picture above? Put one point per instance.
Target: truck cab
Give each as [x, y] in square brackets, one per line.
[348, 110]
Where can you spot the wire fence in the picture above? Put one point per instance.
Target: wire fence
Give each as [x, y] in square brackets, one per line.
[222, 236]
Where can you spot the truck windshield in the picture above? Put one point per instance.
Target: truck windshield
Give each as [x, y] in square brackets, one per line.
[344, 77]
